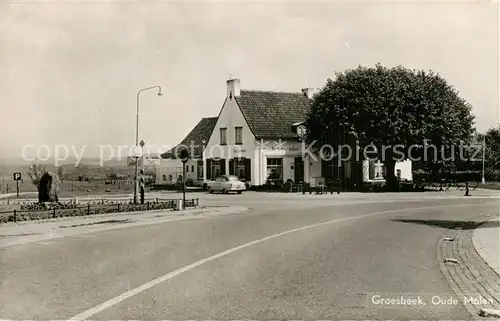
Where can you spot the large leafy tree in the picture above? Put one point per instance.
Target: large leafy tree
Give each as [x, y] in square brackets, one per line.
[382, 106]
[493, 148]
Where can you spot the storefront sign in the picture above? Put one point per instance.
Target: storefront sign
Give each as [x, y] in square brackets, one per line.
[285, 148]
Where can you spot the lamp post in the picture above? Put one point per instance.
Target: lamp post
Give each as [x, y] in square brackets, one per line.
[136, 189]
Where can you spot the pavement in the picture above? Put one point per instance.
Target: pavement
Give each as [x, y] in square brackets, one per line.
[487, 242]
[257, 257]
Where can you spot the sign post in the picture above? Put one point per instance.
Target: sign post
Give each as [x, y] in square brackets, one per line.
[17, 178]
[142, 183]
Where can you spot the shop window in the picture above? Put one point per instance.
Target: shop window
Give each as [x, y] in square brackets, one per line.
[274, 169]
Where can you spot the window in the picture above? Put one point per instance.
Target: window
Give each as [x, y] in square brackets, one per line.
[164, 177]
[223, 136]
[187, 168]
[238, 132]
[274, 169]
[192, 168]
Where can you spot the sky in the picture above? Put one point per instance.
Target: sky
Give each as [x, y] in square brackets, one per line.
[70, 71]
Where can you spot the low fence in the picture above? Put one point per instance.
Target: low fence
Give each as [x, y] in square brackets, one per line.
[37, 211]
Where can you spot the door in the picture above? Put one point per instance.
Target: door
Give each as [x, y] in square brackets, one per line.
[299, 169]
[216, 171]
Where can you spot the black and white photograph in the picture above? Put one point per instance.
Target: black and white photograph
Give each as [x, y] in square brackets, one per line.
[252, 161]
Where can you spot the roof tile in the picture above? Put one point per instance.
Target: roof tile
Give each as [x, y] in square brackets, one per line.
[201, 132]
[272, 114]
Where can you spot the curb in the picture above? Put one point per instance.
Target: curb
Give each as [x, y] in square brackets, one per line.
[489, 313]
[472, 280]
[480, 247]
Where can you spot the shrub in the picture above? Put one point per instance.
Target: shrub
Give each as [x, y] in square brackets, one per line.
[36, 211]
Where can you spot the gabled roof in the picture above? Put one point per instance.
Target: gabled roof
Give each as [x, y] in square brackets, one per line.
[201, 132]
[272, 114]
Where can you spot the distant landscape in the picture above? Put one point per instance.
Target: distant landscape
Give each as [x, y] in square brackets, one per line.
[88, 174]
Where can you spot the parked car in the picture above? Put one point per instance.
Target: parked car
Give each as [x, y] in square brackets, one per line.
[226, 184]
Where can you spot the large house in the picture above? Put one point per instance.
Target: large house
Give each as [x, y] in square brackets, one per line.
[257, 136]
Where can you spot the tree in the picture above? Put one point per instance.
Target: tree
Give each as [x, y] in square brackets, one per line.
[390, 107]
[35, 173]
[493, 148]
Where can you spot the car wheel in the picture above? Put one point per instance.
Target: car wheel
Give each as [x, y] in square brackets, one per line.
[211, 191]
[239, 192]
[224, 191]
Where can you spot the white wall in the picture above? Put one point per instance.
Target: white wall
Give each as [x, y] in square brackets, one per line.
[231, 117]
[315, 168]
[288, 172]
[168, 167]
[286, 149]
[174, 167]
[406, 169]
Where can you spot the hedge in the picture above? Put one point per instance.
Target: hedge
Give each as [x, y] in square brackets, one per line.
[38, 211]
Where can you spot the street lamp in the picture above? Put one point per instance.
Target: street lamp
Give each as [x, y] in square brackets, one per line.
[136, 189]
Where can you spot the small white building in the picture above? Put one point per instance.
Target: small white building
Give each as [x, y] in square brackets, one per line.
[170, 168]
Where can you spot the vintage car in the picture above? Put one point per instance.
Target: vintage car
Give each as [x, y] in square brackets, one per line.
[226, 184]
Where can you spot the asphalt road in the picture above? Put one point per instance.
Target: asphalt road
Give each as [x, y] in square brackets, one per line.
[280, 262]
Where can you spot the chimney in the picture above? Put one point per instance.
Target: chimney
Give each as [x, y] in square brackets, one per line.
[308, 92]
[233, 88]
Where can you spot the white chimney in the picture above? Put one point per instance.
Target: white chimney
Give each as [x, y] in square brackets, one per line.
[233, 88]
[308, 92]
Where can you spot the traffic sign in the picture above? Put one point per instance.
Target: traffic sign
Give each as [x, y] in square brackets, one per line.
[17, 178]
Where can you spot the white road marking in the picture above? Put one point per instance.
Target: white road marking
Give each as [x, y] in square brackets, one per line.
[114, 301]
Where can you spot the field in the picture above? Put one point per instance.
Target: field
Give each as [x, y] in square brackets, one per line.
[72, 188]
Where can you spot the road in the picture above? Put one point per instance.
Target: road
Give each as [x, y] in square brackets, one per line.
[285, 260]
